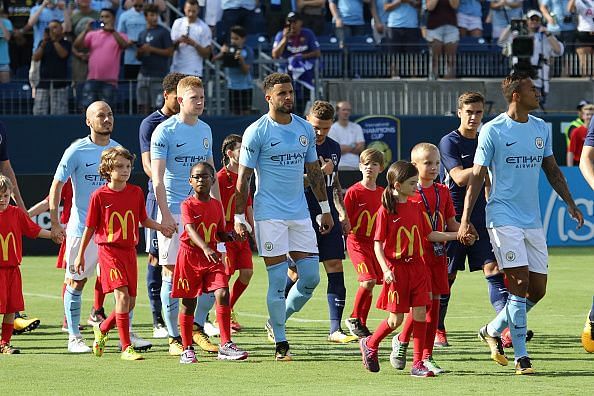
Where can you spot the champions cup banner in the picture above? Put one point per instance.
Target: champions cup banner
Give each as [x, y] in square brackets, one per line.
[560, 228]
[382, 132]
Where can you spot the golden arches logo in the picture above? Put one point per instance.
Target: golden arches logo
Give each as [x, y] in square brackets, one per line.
[4, 245]
[123, 223]
[207, 232]
[362, 268]
[115, 274]
[393, 297]
[410, 236]
[183, 284]
[440, 221]
[370, 222]
[229, 206]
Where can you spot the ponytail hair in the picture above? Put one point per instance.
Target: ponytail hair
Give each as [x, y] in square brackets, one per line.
[228, 144]
[399, 171]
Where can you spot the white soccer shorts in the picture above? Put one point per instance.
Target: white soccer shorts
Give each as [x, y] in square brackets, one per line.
[519, 247]
[91, 258]
[279, 237]
[168, 247]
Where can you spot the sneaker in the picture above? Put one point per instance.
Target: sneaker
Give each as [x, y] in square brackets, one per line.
[588, 335]
[495, 345]
[23, 324]
[99, 342]
[235, 326]
[282, 353]
[130, 354]
[7, 349]
[506, 340]
[398, 354]
[201, 339]
[139, 344]
[65, 326]
[420, 370]
[175, 346]
[96, 316]
[441, 339]
[524, 366]
[357, 328]
[269, 331]
[341, 338]
[211, 330]
[433, 366]
[369, 356]
[76, 344]
[230, 351]
[188, 356]
[160, 331]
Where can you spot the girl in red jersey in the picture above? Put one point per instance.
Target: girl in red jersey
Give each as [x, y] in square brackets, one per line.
[362, 200]
[399, 237]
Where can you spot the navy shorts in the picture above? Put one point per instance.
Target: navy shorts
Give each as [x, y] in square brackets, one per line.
[331, 245]
[150, 235]
[478, 254]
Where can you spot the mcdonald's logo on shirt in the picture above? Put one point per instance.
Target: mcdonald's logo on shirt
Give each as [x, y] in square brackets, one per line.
[370, 222]
[4, 245]
[123, 223]
[115, 274]
[362, 268]
[410, 238]
[393, 297]
[183, 284]
[229, 207]
[207, 232]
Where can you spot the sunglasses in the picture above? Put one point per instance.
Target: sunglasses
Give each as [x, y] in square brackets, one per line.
[201, 176]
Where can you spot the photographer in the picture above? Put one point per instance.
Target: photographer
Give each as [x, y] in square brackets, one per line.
[544, 46]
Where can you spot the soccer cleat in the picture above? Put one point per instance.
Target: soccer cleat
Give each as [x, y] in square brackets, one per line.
[506, 340]
[357, 328]
[340, 337]
[588, 335]
[369, 356]
[23, 324]
[139, 344]
[188, 356]
[175, 346]
[524, 366]
[230, 351]
[495, 345]
[76, 344]
[201, 339]
[160, 331]
[96, 316]
[441, 339]
[99, 342]
[7, 349]
[282, 353]
[420, 370]
[398, 354]
[235, 326]
[433, 366]
[269, 331]
[130, 354]
[211, 330]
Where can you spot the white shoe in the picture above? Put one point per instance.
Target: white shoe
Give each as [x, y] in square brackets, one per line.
[211, 330]
[76, 344]
[138, 343]
[160, 331]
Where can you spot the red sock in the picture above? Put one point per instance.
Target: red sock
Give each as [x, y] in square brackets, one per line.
[419, 330]
[432, 319]
[407, 329]
[224, 320]
[237, 290]
[359, 304]
[382, 331]
[366, 308]
[108, 323]
[99, 295]
[123, 323]
[7, 329]
[186, 323]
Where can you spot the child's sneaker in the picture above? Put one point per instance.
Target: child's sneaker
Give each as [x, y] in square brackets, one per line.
[230, 351]
[441, 339]
[188, 356]
[7, 349]
[130, 354]
[420, 370]
[235, 326]
[76, 344]
[432, 365]
[282, 353]
[398, 354]
[369, 356]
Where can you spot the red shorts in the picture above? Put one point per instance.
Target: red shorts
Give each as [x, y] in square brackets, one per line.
[437, 268]
[194, 274]
[118, 268]
[364, 261]
[410, 287]
[11, 290]
[61, 263]
[239, 256]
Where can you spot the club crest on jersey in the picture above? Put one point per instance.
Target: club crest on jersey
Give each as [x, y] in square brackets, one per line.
[510, 256]
[303, 140]
[268, 246]
[539, 142]
[206, 143]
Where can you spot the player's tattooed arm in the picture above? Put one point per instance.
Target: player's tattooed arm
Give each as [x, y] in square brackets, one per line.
[316, 180]
[338, 198]
[559, 184]
[244, 178]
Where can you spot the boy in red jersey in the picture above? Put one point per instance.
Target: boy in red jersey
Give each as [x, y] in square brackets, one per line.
[440, 215]
[362, 200]
[115, 210]
[199, 268]
[239, 253]
[14, 223]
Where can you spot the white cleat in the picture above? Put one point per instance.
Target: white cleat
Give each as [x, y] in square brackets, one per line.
[76, 344]
[211, 330]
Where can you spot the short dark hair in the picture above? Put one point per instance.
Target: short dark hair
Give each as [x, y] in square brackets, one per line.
[193, 2]
[239, 30]
[148, 8]
[275, 78]
[470, 97]
[511, 84]
[322, 110]
[111, 11]
[171, 80]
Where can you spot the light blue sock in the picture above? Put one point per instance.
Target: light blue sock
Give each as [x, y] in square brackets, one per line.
[497, 325]
[516, 316]
[204, 305]
[309, 277]
[170, 308]
[72, 303]
[275, 299]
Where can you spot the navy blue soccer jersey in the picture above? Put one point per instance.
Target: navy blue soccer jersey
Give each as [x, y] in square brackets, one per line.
[147, 127]
[330, 149]
[457, 150]
[3, 143]
[590, 136]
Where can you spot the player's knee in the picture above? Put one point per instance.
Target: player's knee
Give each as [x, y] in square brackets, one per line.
[77, 284]
[245, 275]
[419, 314]
[394, 320]
[222, 296]
[368, 284]
[491, 269]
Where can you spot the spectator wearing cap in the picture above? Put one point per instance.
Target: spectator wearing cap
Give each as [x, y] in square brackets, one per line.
[192, 41]
[131, 22]
[105, 45]
[578, 122]
[348, 18]
[502, 13]
[578, 136]
[80, 56]
[469, 18]
[585, 33]
[442, 34]
[236, 12]
[313, 13]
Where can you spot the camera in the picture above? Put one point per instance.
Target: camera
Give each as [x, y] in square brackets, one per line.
[97, 25]
[522, 48]
[229, 57]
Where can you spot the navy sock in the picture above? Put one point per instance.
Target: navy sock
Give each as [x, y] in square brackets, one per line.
[591, 315]
[497, 291]
[153, 287]
[288, 285]
[336, 294]
[444, 300]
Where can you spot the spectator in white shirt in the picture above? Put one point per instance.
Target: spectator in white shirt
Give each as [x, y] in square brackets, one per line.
[349, 135]
[192, 41]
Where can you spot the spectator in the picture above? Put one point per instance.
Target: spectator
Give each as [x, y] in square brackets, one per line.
[502, 13]
[161, 5]
[80, 18]
[579, 121]
[131, 22]
[53, 53]
[5, 33]
[275, 12]
[213, 13]
[403, 30]
[313, 13]
[585, 34]
[237, 61]
[378, 24]
[349, 135]
[19, 47]
[105, 45]
[154, 51]
[443, 35]
[560, 21]
[348, 18]
[192, 41]
[99, 5]
[236, 12]
[576, 142]
[470, 18]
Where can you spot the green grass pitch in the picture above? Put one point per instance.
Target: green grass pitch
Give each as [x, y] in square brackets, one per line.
[563, 367]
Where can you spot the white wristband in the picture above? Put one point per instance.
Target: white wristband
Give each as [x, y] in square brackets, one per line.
[325, 206]
[240, 218]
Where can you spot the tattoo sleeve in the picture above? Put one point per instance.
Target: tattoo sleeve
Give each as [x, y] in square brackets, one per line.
[316, 180]
[338, 198]
[556, 179]
[243, 186]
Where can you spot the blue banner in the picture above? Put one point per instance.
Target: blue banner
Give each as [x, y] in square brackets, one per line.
[382, 133]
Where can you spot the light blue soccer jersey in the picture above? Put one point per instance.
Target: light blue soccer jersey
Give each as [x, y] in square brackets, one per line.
[181, 146]
[80, 162]
[278, 153]
[513, 152]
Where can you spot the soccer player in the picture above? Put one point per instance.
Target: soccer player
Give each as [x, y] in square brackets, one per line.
[199, 268]
[398, 244]
[278, 146]
[145, 132]
[362, 201]
[514, 146]
[14, 223]
[239, 253]
[457, 150]
[176, 145]
[116, 236]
